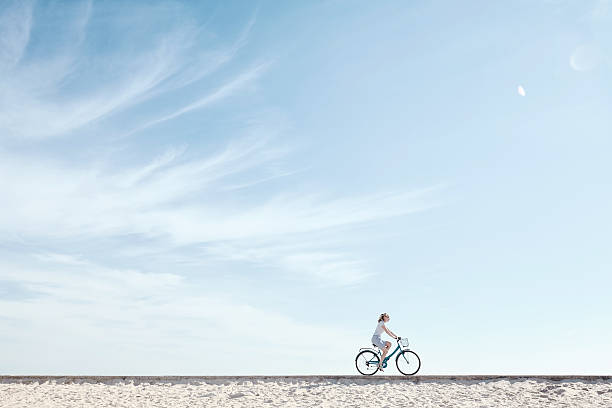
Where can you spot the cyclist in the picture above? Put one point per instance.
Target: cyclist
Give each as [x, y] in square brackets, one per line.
[376, 340]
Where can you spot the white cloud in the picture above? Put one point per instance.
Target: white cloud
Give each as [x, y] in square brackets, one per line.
[173, 199]
[61, 259]
[177, 197]
[224, 91]
[142, 313]
[300, 257]
[15, 24]
[601, 10]
[39, 97]
[135, 176]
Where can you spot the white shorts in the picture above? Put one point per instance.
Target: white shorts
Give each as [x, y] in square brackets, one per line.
[378, 341]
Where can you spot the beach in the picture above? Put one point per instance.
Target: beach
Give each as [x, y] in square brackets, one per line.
[307, 391]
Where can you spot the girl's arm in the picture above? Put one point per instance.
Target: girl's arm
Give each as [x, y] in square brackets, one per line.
[389, 332]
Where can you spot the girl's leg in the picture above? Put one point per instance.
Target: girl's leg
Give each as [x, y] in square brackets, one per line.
[385, 350]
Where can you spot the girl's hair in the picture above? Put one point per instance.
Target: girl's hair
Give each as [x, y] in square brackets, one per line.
[382, 316]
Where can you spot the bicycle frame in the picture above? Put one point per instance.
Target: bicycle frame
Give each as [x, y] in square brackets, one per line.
[398, 347]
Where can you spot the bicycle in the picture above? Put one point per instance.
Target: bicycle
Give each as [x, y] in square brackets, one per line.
[407, 361]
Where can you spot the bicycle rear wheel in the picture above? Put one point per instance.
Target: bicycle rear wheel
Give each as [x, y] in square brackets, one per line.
[367, 362]
[408, 362]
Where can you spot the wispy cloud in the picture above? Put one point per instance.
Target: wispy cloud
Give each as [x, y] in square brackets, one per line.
[115, 81]
[205, 63]
[140, 313]
[64, 259]
[68, 278]
[302, 260]
[600, 11]
[15, 24]
[171, 198]
[220, 93]
[44, 195]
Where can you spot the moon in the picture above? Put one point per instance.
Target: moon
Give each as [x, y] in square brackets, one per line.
[585, 58]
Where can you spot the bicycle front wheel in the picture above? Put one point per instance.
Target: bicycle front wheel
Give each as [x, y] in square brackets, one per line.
[367, 362]
[408, 362]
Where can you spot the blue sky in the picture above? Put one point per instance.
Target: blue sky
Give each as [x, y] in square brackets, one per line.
[242, 188]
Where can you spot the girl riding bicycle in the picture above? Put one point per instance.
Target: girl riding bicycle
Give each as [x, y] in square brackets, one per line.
[378, 342]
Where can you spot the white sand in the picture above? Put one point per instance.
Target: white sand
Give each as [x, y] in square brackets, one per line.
[306, 393]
